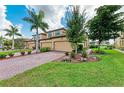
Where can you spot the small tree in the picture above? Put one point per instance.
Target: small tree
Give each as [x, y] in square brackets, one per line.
[75, 26]
[12, 32]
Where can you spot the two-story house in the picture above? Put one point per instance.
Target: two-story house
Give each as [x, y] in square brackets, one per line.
[119, 42]
[55, 39]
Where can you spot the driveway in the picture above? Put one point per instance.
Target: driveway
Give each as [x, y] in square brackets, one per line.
[13, 66]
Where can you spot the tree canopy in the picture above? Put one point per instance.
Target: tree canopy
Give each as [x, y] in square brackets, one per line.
[107, 23]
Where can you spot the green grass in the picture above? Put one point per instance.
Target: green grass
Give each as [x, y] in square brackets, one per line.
[107, 72]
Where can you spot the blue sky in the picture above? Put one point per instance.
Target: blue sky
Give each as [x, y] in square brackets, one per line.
[15, 13]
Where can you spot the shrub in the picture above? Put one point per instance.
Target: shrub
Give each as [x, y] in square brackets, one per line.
[22, 52]
[110, 47]
[3, 49]
[122, 48]
[11, 54]
[2, 56]
[93, 46]
[72, 54]
[44, 49]
[66, 53]
[99, 51]
[29, 52]
[84, 54]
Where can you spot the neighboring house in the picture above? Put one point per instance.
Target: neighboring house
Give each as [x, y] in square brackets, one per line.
[29, 43]
[55, 39]
[119, 42]
[96, 42]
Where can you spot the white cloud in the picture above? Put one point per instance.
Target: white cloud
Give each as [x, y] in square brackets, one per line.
[90, 10]
[53, 14]
[4, 23]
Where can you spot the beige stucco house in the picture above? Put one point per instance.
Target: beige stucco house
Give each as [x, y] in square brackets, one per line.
[55, 39]
[119, 42]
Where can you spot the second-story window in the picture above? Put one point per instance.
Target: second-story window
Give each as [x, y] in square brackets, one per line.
[34, 37]
[49, 35]
[57, 33]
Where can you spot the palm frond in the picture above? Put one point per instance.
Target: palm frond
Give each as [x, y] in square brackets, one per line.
[7, 30]
[44, 26]
[33, 27]
[18, 34]
[8, 34]
[36, 20]
[28, 19]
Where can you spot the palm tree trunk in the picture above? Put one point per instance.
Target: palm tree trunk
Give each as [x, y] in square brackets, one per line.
[114, 42]
[75, 48]
[37, 43]
[99, 46]
[13, 42]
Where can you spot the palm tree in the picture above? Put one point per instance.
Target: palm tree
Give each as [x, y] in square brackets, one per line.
[36, 21]
[12, 32]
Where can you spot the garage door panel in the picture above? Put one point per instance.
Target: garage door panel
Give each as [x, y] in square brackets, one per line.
[63, 46]
[47, 44]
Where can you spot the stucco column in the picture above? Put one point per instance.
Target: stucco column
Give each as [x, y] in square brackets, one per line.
[52, 45]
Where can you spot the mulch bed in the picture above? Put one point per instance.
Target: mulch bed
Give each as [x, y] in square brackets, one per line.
[77, 59]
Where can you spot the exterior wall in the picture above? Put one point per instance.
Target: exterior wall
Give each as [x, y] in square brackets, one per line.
[46, 44]
[30, 44]
[43, 36]
[119, 42]
[58, 43]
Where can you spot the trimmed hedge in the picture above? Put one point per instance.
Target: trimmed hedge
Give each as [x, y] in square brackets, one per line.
[11, 53]
[2, 55]
[44, 49]
[93, 46]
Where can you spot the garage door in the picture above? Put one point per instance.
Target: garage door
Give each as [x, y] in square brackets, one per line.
[46, 44]
[62, 46]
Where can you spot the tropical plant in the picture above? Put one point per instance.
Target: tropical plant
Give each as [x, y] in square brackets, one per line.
[36, 21]
[44, 49]
[29, 51]
[12, 32]
[106, 24]
[1, 41]
[75, 32]
[7, 44]
[84, 54]
[11, 54]
[72, 54]
[22, 52]
[19, 43]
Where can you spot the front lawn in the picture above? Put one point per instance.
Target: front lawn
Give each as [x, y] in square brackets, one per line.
[107, 72]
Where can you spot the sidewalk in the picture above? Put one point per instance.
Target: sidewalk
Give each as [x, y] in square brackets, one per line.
[120, 50]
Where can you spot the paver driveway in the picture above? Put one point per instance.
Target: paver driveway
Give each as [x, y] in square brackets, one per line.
[13, 66]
